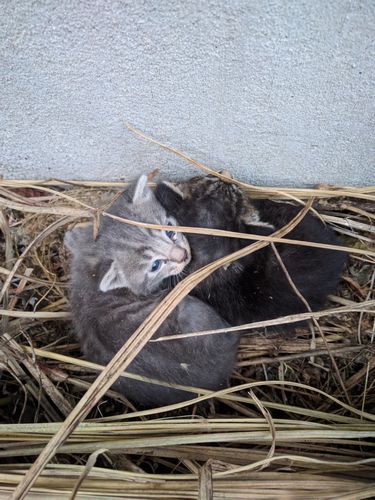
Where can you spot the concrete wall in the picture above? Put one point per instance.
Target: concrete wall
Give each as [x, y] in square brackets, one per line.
[277, 91]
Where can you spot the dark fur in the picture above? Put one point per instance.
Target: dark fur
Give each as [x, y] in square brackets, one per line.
[254, 288]
[104, 321]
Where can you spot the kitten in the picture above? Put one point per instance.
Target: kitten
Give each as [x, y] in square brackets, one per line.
[254, 288]
[117, 281]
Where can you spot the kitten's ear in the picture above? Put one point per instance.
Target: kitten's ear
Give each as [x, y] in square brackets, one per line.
[112, 279]
[141, 191]
[79, 237]
[169, 195]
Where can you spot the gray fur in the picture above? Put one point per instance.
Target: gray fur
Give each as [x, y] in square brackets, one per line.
[113, 291]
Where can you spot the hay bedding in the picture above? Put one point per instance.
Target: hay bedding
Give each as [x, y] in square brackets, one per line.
[300, 426]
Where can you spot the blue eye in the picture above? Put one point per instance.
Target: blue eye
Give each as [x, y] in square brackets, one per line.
[155, 265]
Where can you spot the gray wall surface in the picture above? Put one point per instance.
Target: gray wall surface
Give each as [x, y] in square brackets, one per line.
[279, 92]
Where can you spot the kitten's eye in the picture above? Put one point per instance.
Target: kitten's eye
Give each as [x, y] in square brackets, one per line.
[172, 235]
[156, 265]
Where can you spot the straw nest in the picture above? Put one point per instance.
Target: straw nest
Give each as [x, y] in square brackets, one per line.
[297, 421]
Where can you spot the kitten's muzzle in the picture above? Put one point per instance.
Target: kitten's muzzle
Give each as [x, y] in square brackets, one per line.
[179, 254]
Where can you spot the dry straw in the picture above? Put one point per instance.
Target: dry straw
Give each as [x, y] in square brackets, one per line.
[296, 423]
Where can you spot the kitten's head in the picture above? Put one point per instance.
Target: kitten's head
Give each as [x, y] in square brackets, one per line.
[131, 256]
[208, 201]
[203, 201]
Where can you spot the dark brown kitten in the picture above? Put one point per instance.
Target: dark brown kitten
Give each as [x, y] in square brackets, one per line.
[254, 288]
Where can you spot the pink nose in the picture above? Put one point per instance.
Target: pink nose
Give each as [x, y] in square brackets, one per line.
[179, 254]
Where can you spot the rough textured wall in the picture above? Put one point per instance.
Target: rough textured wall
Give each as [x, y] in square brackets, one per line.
[277, 91]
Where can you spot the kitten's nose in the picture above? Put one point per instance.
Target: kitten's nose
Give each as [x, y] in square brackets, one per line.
[179, 254]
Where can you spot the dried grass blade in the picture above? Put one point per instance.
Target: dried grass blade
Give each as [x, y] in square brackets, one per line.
[86, 471]
[284, 192]
[35, 315]
[39, 209]
[205, 483]
[293, 318]
[270, 421]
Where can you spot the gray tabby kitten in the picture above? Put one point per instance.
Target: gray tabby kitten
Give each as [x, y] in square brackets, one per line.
[116, 282]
